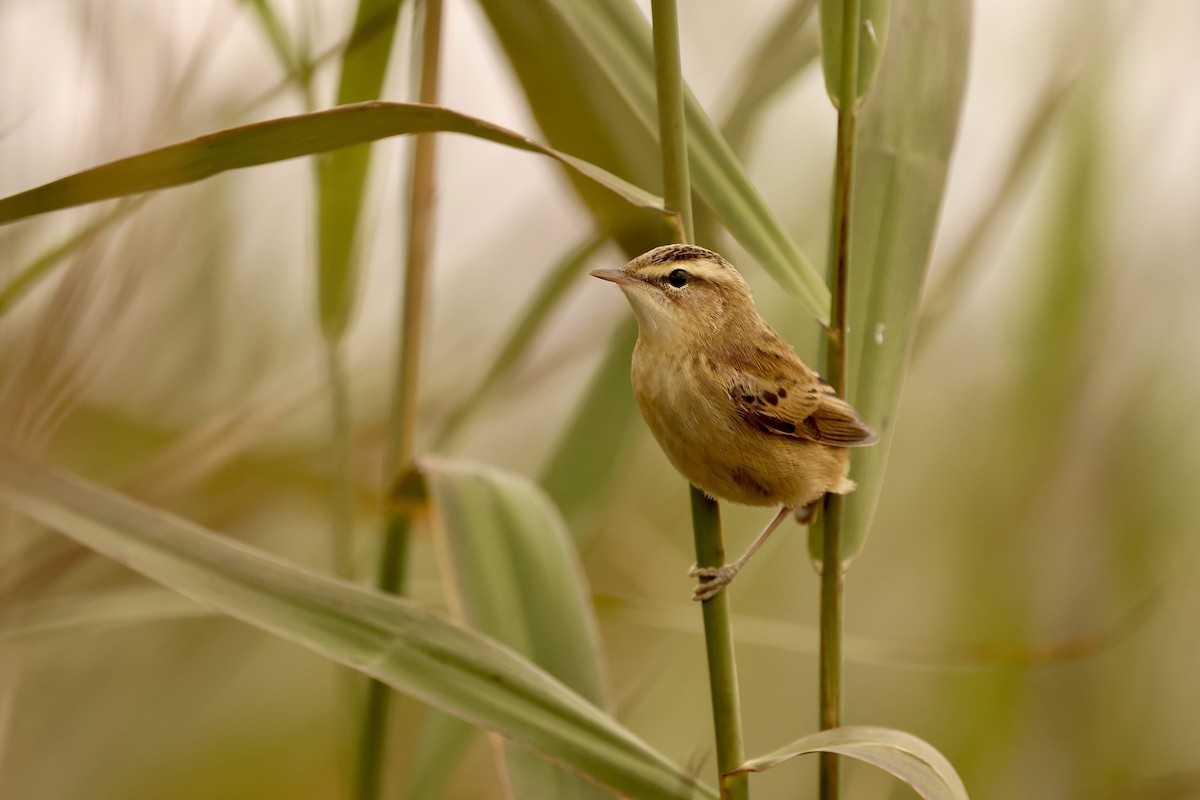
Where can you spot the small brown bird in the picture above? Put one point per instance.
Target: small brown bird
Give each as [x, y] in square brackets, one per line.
[730, 403]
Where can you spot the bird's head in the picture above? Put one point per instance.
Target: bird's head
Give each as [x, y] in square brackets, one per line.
[682, 292]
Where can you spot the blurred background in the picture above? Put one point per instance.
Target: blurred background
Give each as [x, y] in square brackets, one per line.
[1026, 602]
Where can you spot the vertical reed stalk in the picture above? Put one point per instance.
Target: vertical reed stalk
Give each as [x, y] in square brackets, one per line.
[401, 448]
[672, 125]
[706, 514]
[718, 644]
[830, 677]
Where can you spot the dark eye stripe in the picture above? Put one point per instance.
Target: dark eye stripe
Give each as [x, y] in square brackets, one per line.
[665, 280]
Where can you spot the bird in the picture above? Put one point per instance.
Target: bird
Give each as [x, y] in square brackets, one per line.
[730, 403]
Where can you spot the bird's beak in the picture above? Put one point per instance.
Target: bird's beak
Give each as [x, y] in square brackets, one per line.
[618, 276]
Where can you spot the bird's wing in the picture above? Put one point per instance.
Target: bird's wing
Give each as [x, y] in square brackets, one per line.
[796, 403]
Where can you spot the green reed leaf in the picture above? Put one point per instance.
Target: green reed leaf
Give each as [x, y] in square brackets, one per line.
[460, 671]
[909, 758]
[514, 574]
[282, 139]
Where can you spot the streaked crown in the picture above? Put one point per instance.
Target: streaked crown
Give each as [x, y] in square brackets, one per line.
[656, 266]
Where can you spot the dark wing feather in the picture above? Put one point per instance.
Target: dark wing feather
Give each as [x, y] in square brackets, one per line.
[837, 423]
[794, 402]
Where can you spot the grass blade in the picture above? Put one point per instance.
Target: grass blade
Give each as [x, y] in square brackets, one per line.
[444, 742]
[601, 55]
[582, 464]
[462, 672]
[906, 134]
[788, 47]
[279, 140]
[875, 18]
[944, 296]
[342, 175]
[514, 574]
[293, 60]
[909, 758]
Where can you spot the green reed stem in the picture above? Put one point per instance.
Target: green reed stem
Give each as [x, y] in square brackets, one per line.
[401, 448]
[672, 130]
[830, 659]
[832, 577]
[392, 568]
[718, 646]
[706, 513]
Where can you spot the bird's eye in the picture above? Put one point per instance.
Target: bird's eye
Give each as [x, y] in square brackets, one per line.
[678, 278]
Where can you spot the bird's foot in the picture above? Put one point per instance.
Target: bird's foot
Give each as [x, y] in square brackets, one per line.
[714, 579]
[807, 515]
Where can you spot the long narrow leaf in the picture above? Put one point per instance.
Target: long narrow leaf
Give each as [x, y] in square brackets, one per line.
[944, 295]
[876, 15]
[294, 62]
[342, 175]
[280, 140]
[788, 47]
[909, 758]
[514, 575]
[627, 52]
[462, 672]
[906, 134]
[599, 54]
[581, 466]
[441, 747]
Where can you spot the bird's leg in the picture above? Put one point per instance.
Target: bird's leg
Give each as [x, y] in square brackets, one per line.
[714, 579]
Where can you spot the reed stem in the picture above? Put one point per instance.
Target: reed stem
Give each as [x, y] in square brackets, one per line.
[706, 514]
[672, 123]
[832, 576]
[401, 446]
[718, 645]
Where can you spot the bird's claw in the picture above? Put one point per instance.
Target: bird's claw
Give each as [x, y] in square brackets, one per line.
[714, 580]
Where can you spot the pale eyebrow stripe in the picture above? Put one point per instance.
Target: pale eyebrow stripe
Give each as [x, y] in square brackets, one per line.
[698, 269]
